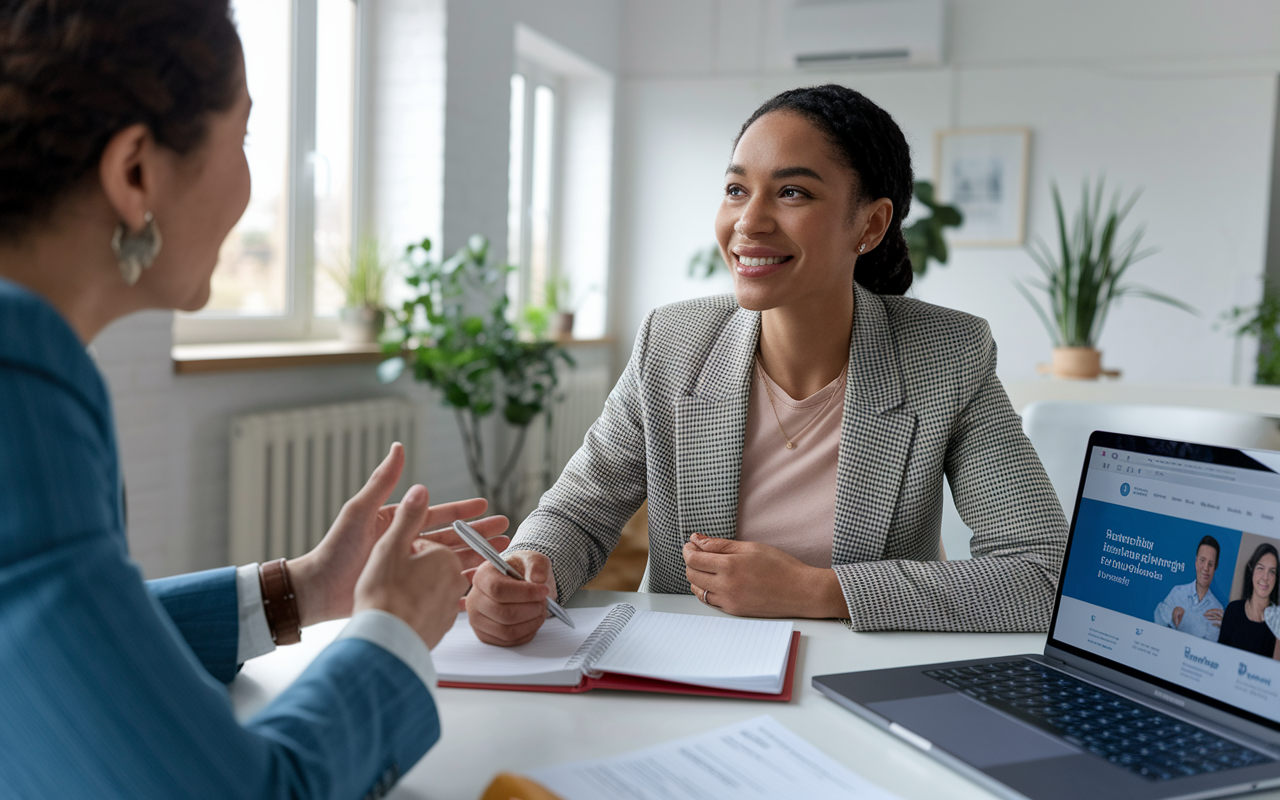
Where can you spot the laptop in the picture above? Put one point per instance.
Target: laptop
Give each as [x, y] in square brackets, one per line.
[1156, 681]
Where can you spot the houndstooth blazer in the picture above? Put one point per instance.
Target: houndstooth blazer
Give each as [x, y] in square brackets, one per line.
[921, 399]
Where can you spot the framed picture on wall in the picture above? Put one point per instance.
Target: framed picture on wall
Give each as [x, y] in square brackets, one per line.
[983, 172]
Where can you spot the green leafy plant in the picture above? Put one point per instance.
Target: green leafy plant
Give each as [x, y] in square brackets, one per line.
[1262, 321]
[706, 262]
[1083, 279]
[362, 278]
[455, 336]
[924, 236]
[536, 320]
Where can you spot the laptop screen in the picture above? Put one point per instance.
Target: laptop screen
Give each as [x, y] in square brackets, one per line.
[1173, 569]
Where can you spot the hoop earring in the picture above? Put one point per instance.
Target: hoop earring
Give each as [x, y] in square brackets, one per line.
[136, 251]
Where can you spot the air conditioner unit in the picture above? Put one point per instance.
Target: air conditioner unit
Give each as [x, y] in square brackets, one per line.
[866, 32]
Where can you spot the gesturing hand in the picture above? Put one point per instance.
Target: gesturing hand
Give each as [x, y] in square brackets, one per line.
[418, 582]
[750, 579]
[1176, 615]
[324, 579]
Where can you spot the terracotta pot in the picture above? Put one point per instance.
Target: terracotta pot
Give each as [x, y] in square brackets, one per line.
[564, 325]
[360, 325]
[1077, 363]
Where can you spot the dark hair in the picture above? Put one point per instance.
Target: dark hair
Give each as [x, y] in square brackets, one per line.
[871, 144]
[1212, 542]
[73, 73]
[1263, 549]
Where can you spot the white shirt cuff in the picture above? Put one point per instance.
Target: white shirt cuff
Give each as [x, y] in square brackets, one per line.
[255, 635]
[396, 637]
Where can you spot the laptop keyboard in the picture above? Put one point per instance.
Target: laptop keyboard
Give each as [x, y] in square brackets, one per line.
[1154, 745]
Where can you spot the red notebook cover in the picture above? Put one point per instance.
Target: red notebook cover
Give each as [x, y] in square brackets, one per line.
[628, 683]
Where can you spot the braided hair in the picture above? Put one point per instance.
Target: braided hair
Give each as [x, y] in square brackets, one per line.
[73, 73]
[871, 144]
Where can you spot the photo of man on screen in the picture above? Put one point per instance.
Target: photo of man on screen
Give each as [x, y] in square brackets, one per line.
[1192, 608]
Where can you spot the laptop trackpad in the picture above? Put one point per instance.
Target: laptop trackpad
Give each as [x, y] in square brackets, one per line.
[970, 730]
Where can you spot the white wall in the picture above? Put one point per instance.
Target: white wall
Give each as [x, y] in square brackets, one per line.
[481, 60]
[1183, 109]
[400, 120]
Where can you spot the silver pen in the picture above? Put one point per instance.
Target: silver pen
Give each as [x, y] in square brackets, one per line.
[481, 545]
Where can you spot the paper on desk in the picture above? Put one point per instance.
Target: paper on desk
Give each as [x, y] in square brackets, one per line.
[758, 758]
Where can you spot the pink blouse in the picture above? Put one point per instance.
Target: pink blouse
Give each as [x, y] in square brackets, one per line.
[787, 498]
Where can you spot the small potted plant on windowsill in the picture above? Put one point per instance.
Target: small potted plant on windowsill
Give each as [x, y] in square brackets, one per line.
[1082, 281]
[554, 318]
[361, 318]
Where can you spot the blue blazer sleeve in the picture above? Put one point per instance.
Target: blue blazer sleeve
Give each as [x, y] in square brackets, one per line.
[204, 606]
[86, 649]
[101, 693]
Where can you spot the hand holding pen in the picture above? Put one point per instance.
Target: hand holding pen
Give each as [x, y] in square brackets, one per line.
[505, 611]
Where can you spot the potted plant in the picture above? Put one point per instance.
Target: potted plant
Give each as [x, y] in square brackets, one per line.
[361, 279]
[559, 301]
[1262, 321]
[455, 335]
[1083, 280]
[924, 236]
[555, 316]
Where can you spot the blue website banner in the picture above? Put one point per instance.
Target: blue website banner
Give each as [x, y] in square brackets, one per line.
[1128, 560]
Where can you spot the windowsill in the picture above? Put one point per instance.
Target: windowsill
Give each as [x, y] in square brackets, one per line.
[192, 359]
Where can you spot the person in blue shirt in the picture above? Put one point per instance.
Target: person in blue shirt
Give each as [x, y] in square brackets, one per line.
[122, 169]
[1191, 607]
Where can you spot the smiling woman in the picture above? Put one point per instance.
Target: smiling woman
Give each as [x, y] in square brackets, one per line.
[792, 439]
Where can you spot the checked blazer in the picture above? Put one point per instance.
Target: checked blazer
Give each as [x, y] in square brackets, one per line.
[921, 400]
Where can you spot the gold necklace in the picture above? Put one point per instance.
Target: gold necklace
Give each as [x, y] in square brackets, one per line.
[791, 445]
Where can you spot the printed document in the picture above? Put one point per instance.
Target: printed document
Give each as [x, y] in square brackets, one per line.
[758, 758]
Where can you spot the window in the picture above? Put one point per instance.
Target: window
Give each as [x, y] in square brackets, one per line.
[532, 218]
[273, 280]
[560, 189]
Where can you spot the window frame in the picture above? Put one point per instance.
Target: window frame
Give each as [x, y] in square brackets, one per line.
[299, 321]
[521, 289]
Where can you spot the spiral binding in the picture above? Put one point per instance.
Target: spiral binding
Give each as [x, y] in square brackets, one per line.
[600, 639]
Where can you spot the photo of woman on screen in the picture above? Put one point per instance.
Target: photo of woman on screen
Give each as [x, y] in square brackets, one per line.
[1243, 622]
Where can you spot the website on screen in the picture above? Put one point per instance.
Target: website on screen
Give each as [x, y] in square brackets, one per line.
[1173, 572]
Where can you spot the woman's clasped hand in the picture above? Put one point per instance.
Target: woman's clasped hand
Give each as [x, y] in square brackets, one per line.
[750, 579]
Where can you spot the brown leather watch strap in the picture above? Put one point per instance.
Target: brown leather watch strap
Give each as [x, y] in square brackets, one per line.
[279, 602]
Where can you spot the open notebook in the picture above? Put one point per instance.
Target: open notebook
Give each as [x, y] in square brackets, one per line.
[620, 647]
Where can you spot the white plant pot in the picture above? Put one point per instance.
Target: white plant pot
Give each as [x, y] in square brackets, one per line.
[360, 325]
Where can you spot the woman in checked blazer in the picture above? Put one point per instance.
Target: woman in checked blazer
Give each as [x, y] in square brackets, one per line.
[828, 506]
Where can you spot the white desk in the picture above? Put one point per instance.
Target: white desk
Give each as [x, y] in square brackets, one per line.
[490, 731]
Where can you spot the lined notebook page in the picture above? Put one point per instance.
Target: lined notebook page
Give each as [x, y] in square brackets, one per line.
[724, 653]
[462, 657]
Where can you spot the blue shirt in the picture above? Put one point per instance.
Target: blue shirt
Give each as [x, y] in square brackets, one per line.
[110, 688]
[1194, 608]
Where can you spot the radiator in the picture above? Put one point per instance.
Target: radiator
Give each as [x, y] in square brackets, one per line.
[579, 399]
[292, 470]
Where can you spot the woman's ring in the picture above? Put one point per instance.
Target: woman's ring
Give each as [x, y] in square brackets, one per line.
[705, 592]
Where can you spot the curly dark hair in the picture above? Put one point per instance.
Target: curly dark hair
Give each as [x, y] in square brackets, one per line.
[871, 144]
[1263, 549]
[73, 73]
